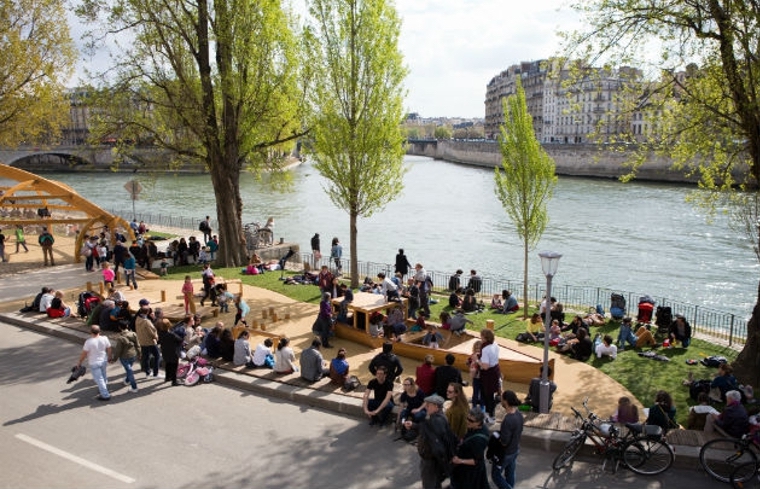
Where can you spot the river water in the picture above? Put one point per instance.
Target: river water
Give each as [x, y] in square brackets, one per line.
[639, 237]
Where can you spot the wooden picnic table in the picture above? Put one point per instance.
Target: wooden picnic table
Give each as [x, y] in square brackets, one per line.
[365, 303]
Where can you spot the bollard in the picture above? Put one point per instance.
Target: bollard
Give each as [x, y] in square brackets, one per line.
[101, 288]
[271, 312]
[274, 317]
[241, 289]
[254, 324]
[89, 286]
[263, 314]
[489, 324]
[263, 326]
[287, 316]
[163, 296]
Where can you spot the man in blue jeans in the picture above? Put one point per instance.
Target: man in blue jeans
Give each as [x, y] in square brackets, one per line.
[503, 474]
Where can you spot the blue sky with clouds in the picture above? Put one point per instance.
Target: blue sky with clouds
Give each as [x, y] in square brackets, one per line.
[454, 47]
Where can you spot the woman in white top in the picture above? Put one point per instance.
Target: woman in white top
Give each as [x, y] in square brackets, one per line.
[490, 373]
[284, 358]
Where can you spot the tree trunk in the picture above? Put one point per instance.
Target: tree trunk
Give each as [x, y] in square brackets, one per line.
[525, 278]
[354, 247]
[747, 364]
[229, 213]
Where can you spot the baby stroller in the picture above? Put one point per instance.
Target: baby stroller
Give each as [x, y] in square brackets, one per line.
[646, 310]
[617, 306]
[663, 319]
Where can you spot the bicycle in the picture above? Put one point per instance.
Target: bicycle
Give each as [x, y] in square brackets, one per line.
[642, 449]
[721, 457]
[746, 476]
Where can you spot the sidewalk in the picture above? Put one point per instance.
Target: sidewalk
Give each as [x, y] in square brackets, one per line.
[575, 380]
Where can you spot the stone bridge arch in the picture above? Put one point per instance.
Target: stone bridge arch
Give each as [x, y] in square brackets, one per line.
[24, 194]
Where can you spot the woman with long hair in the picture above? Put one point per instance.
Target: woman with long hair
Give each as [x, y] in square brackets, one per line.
[284, 358]
[456, 413]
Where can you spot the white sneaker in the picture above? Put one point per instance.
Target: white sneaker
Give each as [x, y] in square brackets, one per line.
[126, 382]
[158, 376]
[132, 389]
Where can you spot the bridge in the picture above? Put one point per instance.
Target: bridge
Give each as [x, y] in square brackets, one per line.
[82, 157]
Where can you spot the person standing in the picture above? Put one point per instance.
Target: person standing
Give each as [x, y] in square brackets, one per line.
[469, 464]
[46, 241]
[127, 350]
[434, 431]
[323, 326]
[402, 264]
[315, 252]
[205, 228]
[130, 265]
[336, 252]
[2, 246]
[147, 337]
[490, 372]
[21, 239]
[97, 351]
[503, 474]
[421, 280]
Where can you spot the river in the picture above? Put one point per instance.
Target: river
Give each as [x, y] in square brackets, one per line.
[639, 237]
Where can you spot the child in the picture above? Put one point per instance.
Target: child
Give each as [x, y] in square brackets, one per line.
[108, 275]
[242, 311]
[164, 266]
[223, 298]
[187, 293]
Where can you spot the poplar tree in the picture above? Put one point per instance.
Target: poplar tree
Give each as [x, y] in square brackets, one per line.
[525, 183]
[209, 81]
[703, 106]
[356, 134]
[37, 56]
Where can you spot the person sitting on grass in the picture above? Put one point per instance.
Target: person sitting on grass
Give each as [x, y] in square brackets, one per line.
[642, 338]
[680, 331]
[470, 302]
[579, 347]
[534, 330]
[510, 303]
[604, 346]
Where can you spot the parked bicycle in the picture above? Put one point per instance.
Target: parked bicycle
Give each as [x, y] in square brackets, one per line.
[642, 448]
[746, 476]
[723, 456]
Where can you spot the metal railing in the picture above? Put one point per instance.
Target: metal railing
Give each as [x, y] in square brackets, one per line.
[724, 326]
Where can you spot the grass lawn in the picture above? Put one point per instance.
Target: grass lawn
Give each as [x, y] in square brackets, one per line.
[642, 376]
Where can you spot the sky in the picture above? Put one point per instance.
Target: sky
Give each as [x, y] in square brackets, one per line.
[453, 48]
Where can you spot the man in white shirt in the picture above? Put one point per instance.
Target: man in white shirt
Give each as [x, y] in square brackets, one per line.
[262, 352]
[97, 351]
[605, 346]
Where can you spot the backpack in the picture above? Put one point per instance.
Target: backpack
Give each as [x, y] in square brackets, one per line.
[713, 361]
[86, 303]
[34, 306]
[203, 226]
[495, 450]
[663, 316]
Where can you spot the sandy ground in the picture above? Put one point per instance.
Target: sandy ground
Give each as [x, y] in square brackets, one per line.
[575, 380]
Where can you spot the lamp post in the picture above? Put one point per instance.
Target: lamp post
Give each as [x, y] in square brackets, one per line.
[549, 264]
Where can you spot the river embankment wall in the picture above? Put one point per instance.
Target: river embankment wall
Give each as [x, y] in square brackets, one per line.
[577, 160]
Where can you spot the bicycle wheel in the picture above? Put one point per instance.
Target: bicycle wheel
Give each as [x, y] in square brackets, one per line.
[568, 453]
[720, 457]
[746, 476]
[648, 457]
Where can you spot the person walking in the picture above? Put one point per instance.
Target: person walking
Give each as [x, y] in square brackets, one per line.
[315, 253]
[46, 241]
[97, 351]
[21, 239]
[435, 444]
[2, 246]
[147, 337]
[402, 264]
[130, 265]
[126, 349]
[336, 252]
[503, 474]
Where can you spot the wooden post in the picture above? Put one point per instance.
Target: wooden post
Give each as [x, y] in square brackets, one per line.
[101, 287]
[89, 286]
[241, 288]
[254, 324]
[263, 326]
[274, 317]
[263, 314]
[163, 296]
[271, 312]
[489, 324]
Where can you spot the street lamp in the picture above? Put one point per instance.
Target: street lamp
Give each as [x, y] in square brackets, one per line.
[549, 264]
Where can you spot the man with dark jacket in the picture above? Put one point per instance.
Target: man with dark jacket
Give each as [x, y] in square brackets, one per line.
[446, 374]
[389, 360]
[436, 443]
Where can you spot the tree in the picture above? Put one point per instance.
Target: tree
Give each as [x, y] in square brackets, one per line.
[442, 132]
[358, 143]
[37, 57]
[704, 107]
[209, 81]
[526, 180]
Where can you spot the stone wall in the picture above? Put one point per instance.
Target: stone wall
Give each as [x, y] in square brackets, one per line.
[581, 160]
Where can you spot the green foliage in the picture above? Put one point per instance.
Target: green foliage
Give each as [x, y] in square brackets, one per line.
[357, 104]
[442, 132]
[37, 56]
[526, 180]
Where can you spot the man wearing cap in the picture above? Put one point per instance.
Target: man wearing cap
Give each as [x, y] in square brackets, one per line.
[436, 443]
[503, 474]
[379, 407]
[46, 241]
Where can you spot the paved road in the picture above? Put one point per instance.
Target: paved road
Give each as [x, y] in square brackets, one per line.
[55, 435]
[26, 285]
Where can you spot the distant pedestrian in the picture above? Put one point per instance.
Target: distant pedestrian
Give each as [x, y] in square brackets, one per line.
[503, 474]
[2, 246]
[315, 249]
[336, 252]
[21, 239]
[97, 351]
[187, 295]
[46, 241]
[127, 349]
[402, 264]
[130, 265]
[205, 228]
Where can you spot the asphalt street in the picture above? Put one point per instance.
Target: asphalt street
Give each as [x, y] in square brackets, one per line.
[56, 435]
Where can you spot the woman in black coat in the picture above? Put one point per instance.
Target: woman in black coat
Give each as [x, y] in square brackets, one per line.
[171, 345]
[469, 464]
[402, 264]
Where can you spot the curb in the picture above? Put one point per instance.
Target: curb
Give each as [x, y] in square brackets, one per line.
[550, 441]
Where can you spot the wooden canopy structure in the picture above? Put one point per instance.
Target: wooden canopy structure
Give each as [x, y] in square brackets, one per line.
[63, 206]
